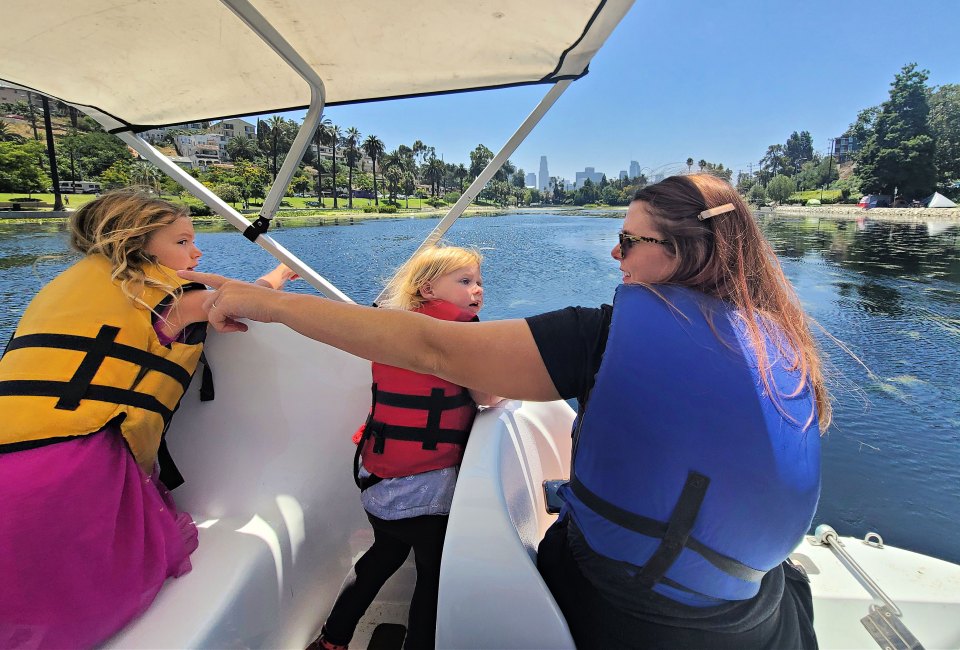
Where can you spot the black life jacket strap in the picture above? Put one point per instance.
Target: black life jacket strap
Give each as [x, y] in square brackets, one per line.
[434, 404]
[658, 529]
[97, 350]
[366, 481]
[207, 392]
[170, 474]
[94, 392]
[429, 437]
[678, 530]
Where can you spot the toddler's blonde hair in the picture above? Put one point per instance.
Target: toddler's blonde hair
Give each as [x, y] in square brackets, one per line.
[403, 289]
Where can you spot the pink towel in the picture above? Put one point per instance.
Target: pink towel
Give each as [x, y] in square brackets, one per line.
[86, 542]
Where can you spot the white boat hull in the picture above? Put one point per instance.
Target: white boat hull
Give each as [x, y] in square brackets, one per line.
[268, 470]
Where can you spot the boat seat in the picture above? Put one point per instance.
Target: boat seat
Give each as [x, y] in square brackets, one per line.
[267, 468]
[489, 570]
[215, 596]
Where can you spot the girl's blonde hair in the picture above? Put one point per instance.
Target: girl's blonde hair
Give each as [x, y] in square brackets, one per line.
[117, 225]
[727, 256]
[403, 289]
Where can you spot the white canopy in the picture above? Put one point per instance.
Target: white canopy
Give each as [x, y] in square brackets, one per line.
[938, 200]
[150, 63]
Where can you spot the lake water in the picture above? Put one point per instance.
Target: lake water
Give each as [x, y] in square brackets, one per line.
[889, 291]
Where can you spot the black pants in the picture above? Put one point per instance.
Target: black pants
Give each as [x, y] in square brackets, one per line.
[596, 622]
[392, 541]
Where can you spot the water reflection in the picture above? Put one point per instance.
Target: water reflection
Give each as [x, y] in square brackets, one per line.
[889, 291]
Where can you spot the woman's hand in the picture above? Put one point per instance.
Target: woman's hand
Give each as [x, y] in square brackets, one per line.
[231, 300]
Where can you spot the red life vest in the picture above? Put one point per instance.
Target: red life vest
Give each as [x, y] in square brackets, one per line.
[418, 422]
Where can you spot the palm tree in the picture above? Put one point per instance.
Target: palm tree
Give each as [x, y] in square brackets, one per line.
[353, 156]
[461, 175]
[329, 134]
[241, 148]
[689, 165]
[702, 164]
[146, 174]
[275, 126]
[6, 135]
[374, 148]
[435, 172]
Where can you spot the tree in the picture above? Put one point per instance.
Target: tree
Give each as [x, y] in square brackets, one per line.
[689, 165]
[479, 159]
[434, 173]
[7, 134]
[702, 164]
[757, 195]
[352, 154]
[780, 188]
[374, 148]
[241, 148]
[19, 171]
[116, 175]
[146, 174]
[945, 128]
[775, 161]
[898, 156]
[799, 148]
[461, 175]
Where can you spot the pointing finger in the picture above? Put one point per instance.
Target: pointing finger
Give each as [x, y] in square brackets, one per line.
[210, 279]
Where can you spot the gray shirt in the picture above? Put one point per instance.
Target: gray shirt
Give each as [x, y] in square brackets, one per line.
[429, 493]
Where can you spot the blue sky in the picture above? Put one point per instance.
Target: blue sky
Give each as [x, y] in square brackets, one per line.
[719, 80]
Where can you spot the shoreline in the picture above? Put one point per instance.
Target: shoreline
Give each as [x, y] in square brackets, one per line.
[853, 212]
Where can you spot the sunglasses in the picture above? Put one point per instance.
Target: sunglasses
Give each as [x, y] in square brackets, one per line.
[627, 241]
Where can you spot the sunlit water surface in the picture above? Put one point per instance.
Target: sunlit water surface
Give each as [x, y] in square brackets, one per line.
[889, 291]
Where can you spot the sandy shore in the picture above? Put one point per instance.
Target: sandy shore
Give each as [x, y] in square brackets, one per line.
[853, 212]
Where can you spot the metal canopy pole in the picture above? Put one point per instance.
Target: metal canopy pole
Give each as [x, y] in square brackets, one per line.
[217, 204]
[492, 167]
[262, 28]
[255, 231]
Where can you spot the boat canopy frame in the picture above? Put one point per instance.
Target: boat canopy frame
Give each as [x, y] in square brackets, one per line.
[606, 14]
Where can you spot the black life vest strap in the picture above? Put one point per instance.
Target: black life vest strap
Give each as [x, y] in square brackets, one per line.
[367, 481]
[93, 392]
[659, 530]
[429, 437]
[434, 404]
[97, 350]
[436, 400]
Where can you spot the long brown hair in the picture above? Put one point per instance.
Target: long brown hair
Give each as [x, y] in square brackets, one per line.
[727, 257]
[117, 225]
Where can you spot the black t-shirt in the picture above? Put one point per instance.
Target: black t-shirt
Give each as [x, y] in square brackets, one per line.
[571, 342]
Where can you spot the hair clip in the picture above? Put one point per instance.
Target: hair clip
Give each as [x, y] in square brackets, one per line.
[712, 212]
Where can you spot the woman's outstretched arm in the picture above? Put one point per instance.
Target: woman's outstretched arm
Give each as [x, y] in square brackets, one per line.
[498, 357]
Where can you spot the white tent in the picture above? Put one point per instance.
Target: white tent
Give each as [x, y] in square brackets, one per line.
[938, 200]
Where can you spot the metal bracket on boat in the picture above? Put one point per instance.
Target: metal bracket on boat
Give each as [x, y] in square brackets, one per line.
[888, 630]
[257, 228]
[883, 622]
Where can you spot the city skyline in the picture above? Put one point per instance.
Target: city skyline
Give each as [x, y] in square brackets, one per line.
[723, 92]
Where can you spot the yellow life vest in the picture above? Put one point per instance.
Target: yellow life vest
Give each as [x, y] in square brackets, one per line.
[84, 355]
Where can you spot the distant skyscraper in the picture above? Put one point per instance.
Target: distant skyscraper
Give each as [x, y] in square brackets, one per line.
[544, 174]
[623, 174]
[634, 169]
[588, 172]
[531, 180]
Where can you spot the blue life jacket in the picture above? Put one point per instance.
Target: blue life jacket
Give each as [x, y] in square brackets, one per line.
[683, 466]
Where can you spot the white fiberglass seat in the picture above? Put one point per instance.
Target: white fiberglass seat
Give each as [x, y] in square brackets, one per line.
[491, 594]
[268, 480]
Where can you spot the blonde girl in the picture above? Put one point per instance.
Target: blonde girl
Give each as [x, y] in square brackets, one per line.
[88, 384]
[409, 450]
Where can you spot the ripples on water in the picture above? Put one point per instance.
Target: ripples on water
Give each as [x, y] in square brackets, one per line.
[889, 291]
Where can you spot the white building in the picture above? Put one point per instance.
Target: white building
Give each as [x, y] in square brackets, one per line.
[235, 128]
[545, 183]
[203, 149]
[588, 172]
[531, 180]
[634, 169]
[154, 136]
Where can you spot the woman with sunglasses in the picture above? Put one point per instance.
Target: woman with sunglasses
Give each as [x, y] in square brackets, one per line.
[696, 466]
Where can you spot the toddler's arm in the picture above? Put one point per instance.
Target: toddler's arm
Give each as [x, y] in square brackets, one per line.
[276, 278]
[485, 399]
